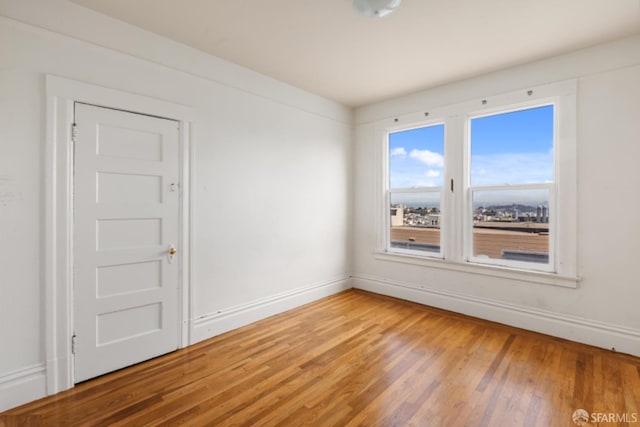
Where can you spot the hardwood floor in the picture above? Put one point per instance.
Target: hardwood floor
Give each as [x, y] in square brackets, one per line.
[357, 359]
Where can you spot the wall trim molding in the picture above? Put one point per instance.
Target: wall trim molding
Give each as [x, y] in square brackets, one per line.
[599, 334]
[227, 319]
[22, 385]
[105, 32]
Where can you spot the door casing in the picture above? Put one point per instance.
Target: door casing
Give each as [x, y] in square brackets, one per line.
[61, 94]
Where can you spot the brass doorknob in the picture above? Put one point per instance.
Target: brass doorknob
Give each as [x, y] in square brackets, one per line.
[172, 251]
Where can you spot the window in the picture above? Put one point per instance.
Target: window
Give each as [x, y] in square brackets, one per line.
[489, 185]
[511, 187]
[416, 174]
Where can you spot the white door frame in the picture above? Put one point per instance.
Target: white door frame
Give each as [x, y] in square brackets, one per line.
[58, 220]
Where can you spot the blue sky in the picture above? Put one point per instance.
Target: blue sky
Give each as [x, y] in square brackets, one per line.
[416, 157]
[513, 148]
[509, 148]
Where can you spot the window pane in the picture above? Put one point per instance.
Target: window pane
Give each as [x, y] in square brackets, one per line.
[511, 225]
[415, 221]
[416, 157]
[513, 148]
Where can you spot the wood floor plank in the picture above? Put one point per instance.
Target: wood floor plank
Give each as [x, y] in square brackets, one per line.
[356, 359]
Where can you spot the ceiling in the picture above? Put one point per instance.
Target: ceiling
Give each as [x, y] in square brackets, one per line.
[324, 47]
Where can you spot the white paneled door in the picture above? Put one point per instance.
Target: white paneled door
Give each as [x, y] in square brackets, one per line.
[126, 235]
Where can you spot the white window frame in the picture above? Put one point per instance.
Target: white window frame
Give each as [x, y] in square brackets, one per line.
[388, 191]
[551, 187]
[456, 206]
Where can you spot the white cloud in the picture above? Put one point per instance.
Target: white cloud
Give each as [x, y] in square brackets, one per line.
[427, 157]
[432, 173]
[398, 152]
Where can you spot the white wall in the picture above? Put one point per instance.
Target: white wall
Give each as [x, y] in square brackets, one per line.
[271, 174]
[603, 310]
[274, 221]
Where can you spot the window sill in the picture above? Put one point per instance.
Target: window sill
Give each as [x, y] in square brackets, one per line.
[485, 270]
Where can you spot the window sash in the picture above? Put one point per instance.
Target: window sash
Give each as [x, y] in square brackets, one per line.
[525, 265]
[388, 242]
[468, 241]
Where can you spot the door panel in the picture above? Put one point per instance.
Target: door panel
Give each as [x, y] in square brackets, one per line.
[140, 188]
[120, 279]
[126, 217]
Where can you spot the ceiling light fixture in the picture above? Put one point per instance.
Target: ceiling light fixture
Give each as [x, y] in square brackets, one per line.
[375, 8]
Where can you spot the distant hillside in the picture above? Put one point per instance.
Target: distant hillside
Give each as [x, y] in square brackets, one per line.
[520, 208]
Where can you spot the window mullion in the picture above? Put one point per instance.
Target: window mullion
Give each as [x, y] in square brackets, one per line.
[453, 190]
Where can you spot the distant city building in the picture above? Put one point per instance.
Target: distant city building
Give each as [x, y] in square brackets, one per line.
[397, 216]
[542, 214]
[414, 217]
[433, 220]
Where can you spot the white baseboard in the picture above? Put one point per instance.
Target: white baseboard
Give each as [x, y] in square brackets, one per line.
[622, 339]
[22, 386]
[231, 318]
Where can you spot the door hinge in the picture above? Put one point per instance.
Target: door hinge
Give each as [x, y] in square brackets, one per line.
[73, 344]
[74, 132]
